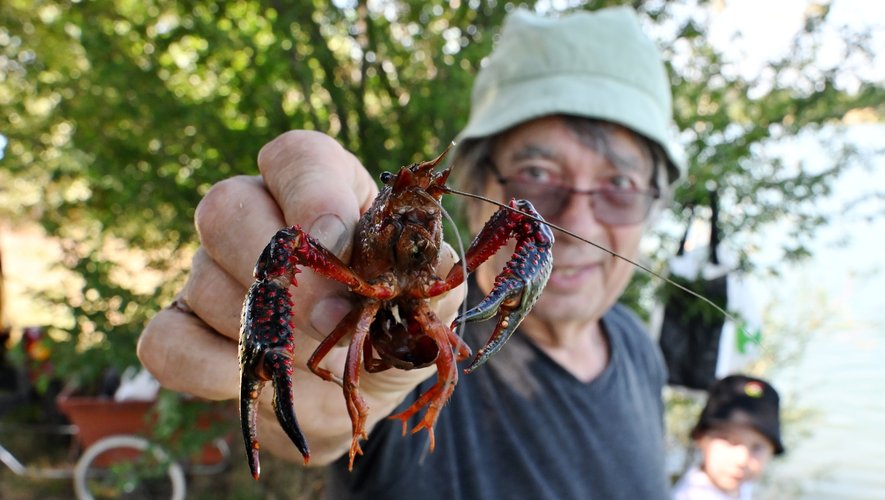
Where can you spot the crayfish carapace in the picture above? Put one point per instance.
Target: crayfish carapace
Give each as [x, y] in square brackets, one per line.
[396, 248]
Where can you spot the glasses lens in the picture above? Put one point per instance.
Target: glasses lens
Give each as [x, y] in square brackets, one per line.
[548, 199]
[613, 207]
[620, 207]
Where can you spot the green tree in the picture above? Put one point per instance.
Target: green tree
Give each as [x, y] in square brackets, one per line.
[120, 115]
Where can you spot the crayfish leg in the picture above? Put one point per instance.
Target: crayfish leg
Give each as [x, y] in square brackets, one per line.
[356, 405]
[345, 326]
[357, 321]
[446, 374]
[461, 348]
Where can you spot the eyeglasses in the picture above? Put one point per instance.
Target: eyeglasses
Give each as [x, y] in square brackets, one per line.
[614, 207]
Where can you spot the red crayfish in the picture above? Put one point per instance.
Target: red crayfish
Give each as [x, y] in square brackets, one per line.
[397, 245]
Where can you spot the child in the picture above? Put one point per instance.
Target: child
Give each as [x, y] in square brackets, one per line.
[737, 434]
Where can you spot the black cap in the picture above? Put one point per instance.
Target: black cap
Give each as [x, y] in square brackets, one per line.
[743, 400]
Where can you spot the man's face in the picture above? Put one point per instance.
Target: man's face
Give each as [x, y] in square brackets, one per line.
[733, 454]
[585, 281]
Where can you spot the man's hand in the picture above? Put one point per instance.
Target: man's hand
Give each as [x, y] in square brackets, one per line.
[308, 179]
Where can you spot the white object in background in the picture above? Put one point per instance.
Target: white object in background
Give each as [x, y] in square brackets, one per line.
[137, 385]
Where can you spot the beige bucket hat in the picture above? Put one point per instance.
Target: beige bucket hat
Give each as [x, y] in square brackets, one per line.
[595, 64]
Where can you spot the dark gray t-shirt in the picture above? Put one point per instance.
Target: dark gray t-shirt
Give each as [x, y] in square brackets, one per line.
[523, 427]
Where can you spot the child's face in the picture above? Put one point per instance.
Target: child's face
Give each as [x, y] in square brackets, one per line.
[734, 453]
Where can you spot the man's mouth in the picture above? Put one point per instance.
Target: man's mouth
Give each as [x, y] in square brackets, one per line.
[569, 277]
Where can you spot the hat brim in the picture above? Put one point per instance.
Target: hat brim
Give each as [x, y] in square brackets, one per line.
[529, 99]
[772, 435]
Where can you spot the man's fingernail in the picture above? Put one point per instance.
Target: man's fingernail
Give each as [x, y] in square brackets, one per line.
[330, 231]
[328, 313]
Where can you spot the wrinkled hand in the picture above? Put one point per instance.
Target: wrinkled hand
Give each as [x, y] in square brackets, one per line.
[309, 179]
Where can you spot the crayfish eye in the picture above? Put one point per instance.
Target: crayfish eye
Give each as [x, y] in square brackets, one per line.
[386, 176]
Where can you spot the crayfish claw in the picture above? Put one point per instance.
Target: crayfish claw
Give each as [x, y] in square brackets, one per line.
[283, 400]
[266, 355]
[507, 323]
[511, 300]
[250, 387]
[274, 365]
[519, 285]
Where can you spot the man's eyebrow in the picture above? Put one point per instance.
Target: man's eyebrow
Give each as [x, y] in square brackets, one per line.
[530, 151]
[626, 162]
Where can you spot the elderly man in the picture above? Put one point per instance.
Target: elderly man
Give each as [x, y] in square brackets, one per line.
[571, 114]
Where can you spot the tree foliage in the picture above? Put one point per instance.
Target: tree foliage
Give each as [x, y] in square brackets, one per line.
[121, 114]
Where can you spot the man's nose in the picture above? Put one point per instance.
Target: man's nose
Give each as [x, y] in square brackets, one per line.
[578, 211]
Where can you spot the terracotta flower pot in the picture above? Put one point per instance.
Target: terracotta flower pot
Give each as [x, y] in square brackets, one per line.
[97, 418]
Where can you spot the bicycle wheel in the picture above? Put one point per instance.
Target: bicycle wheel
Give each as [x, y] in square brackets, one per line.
[146, 472]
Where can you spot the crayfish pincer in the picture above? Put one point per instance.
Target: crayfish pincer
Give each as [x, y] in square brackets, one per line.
[391, 273]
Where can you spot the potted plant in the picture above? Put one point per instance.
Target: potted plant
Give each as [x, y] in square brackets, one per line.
[111, 285]
[185, 426]
[94, 343]
[89, 374]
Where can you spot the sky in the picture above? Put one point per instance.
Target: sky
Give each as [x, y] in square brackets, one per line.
[768, 27]
[834, 449]
[845, 250]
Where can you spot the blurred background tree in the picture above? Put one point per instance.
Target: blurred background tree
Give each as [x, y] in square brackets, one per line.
[118, 115]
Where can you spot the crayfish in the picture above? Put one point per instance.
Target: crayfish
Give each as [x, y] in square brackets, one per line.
[396, 248]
